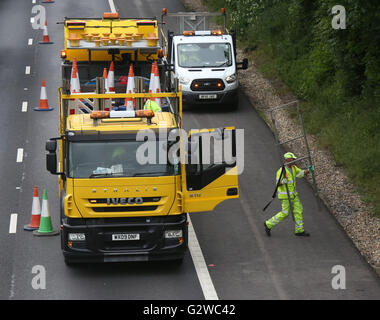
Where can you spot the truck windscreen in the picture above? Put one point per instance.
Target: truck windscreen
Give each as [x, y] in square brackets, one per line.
[200, 55]
[107, 159]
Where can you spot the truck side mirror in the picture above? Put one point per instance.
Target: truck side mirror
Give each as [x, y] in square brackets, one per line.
[243, 65]
[51, 157]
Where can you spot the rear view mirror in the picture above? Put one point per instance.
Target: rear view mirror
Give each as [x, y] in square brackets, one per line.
[51, 145]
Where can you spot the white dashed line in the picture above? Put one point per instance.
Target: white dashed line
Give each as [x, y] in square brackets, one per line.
[24, 107]
[30, 41]
[32, 20]
[13, 223]
[112, 6]
[20, 154]
[27, 70]
[33, 1]
[200, 265]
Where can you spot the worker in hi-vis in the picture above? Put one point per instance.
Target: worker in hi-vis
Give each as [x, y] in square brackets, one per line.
[287, 189]
[152, 105]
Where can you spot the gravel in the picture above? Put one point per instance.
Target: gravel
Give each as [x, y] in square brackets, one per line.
[335, 189]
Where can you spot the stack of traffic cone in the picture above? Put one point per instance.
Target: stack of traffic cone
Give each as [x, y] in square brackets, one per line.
[36, 213]
[130, 102]
[111, 79]
[46, 227]
[45, 37]
[44, 106]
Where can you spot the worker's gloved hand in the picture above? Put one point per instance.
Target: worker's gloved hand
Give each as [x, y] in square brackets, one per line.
[311, 168]
[284, 181]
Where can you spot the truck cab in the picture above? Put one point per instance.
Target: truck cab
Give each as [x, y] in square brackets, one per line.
[204, 61]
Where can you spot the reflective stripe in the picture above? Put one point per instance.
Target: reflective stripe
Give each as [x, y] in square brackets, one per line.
[284, 211]
[301, 174]
[286, 192]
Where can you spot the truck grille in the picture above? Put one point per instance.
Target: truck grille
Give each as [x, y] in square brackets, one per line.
[207, 85]
[124, 209]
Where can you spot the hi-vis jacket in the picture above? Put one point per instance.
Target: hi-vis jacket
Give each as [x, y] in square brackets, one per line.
[290, 174]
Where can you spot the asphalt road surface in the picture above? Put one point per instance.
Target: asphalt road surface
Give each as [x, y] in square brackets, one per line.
[242, 262]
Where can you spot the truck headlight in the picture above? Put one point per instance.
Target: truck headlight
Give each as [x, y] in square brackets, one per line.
[184, 80]
[77, 237]
[170, 234]
[232, 78]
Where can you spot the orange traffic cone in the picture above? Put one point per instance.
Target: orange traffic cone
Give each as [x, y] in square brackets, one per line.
[111, 78]
[36, 213]
[74, 81]
[156, 88]
[43, 100]
[45, 37]
[130, 102]
[105, 79]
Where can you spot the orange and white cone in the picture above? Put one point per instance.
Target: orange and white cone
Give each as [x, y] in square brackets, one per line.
[45, 37]
[36, 213]
[111, 79]
[130, 102]
[105, 79]
[44, 106]
[74, 81]
[156, 84]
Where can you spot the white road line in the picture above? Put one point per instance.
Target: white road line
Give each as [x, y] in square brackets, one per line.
[112, 6]
[13, 223]
[32, 20]
[33, 1]
[20, 154]
[30, 41]
[200, 265]
[24, 107]
[27, 70]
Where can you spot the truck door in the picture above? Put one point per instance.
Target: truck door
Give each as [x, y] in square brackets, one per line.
[211, 172]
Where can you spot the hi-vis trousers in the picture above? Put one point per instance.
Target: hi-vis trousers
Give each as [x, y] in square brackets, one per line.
[297, 210]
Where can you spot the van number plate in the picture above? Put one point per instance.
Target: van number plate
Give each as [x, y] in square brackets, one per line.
[125, 236]
[208, 96]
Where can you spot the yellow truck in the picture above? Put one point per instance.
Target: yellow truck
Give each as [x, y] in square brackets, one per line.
[128, 178]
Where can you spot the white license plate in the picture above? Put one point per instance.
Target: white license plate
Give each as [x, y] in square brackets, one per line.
[125, 236]
[208, 96]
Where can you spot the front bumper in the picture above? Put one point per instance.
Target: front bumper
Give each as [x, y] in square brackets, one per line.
[221, 97]
[99, 246]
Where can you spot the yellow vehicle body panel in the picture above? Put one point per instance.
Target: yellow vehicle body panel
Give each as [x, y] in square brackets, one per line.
[79, 45]
[87, 198]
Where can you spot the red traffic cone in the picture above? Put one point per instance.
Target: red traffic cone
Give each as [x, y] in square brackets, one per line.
[130, 102]
[36, 213]
[43, 100]
[45, 37]
[111, 78]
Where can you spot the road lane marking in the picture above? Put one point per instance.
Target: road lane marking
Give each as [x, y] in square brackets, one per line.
[20, 154]
[24, 107]
[205, 280]
[27, 70]
[32, 20]
[112, 6]
[13, 223]
[33, 1]
[30, 41]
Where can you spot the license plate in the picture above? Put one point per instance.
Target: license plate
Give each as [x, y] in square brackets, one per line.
[208, 96]
[125, 236]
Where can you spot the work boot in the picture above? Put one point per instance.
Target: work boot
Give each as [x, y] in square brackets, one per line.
[302, 234]
[267, 230]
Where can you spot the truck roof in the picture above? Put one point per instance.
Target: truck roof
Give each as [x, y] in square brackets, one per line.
[83, 123]
[203, 39]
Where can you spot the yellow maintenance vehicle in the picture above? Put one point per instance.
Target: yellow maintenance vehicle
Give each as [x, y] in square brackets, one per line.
[128, 177]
